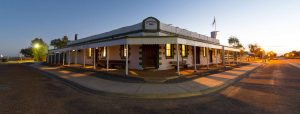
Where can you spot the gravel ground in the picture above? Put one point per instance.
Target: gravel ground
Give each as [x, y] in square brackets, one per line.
[274, 88]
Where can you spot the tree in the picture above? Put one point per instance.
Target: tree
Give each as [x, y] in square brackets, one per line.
[59, 42]
[271, 54]
[235, 42]
[27, 52]
[39, 49]
[255, 49]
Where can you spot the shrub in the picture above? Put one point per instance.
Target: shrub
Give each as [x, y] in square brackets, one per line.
[4, 60]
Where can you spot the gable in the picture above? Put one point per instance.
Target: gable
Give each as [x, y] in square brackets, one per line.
[151, 24]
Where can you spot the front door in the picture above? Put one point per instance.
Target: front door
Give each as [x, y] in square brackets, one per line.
[197, 55]
[150, 56]
[210, 56]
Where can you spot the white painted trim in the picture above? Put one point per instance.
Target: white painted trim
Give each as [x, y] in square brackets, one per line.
[177, 54]
[195, 66]
[94, 58]
[107, 58]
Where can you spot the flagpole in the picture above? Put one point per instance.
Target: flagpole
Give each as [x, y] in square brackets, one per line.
[215, 25]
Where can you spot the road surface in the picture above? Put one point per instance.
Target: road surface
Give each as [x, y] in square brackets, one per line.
[273, 88]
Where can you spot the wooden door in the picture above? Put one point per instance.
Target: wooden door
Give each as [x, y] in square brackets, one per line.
[197, 55]
[210, 56]
[150, 56]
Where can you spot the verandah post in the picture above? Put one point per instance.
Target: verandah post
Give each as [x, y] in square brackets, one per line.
[217, 58]
[69, 58]
[177, 53]
[94, 53]
[55, 62]
[75, 60]
[58, 62]
[63, 61]
[207, 58]
[107, 58]
[84, 57]
[47, 59]
[52, 59]
[195, 63]
[127, 59]
[236, 57]
[223, 56]
[228, 59]
[49, 56]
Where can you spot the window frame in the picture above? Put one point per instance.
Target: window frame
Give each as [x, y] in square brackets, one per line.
[171, 56]
[185, 50]
[89, 53]
[123, 51]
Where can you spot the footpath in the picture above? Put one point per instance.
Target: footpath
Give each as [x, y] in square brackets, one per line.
[195, 87]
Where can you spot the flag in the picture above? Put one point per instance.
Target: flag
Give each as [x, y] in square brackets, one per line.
[214, 22]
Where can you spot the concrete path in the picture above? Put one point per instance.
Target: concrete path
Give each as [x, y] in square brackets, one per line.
[199, 86]
[294, 62]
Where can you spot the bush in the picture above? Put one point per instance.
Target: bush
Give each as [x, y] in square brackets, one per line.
[4, 60]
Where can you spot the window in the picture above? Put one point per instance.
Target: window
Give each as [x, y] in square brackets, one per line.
[104, 52]
[90, 52]
[168, 50]
[184, 51]
[123, 51]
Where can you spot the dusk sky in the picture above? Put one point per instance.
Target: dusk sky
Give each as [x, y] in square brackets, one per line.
[273, 24]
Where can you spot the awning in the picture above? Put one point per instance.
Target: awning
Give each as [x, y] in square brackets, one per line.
[143, 40]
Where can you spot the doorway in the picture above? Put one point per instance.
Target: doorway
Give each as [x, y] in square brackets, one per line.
[197, 55]
[150, 56]
[210, 56]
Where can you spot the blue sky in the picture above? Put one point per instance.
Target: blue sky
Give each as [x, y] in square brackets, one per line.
[273, 24]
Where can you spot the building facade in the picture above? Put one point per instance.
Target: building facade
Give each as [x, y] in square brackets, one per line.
[149, 44]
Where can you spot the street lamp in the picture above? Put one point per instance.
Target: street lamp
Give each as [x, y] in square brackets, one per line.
[36, 45]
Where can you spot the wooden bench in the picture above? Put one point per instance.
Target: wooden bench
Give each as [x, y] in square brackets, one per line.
[181, 64]
[113, 63]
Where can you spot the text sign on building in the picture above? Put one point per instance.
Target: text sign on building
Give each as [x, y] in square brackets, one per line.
[151, 24]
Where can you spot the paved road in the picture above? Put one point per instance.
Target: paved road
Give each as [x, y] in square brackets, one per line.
[274, 88]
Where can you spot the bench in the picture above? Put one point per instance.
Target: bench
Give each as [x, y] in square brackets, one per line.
[113, 63]
[181, 64]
